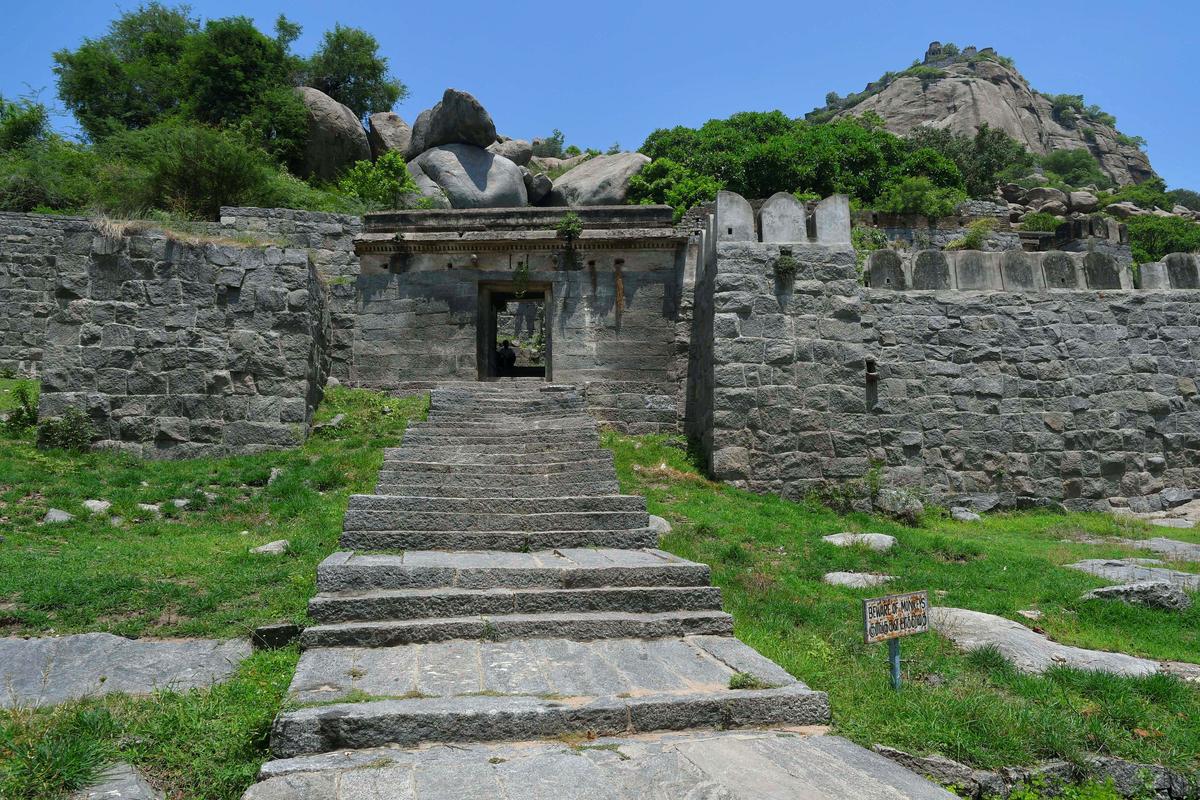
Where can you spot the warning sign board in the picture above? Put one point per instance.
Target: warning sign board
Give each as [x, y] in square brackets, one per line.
[895, 615]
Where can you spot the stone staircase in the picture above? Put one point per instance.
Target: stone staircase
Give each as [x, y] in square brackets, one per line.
[498, 588]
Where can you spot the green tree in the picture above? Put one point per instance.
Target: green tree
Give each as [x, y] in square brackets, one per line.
[386, 183]
[980, 158]
[130, 77]
[21, 121]
[919, 196]
[348, 68]
[1151, 237]
[1185, 197]
[667, 183]
[1077, 167]
[550, 146]
[229, 67]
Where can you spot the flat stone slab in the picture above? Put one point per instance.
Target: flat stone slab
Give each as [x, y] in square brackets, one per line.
[53, 670]
[784, 764]
[1029, 650]
[856, 580]
[1155, 594]
[874, 541]
[1171, 522]
[1136, 570]
[531, 667]
[119, 782]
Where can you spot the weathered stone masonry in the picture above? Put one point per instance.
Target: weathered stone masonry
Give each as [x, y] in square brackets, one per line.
[181, 350]
[1077, 395]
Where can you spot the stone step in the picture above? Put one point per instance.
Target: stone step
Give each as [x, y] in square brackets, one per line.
[362, 520]
[594, 488]
[581, 626]
[453, 455]
[478, 719]
[491, 505]
[495, 482]
[506, 448]
[502, 415]
[590, 465]
[511, 541]
[566, 568]
[562, 423]
[499, 439]
[403, 604]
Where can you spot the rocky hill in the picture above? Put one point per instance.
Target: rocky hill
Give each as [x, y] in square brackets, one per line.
[962, 90]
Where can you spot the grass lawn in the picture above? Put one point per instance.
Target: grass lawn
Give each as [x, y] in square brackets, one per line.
[187, 572]
[768, 557]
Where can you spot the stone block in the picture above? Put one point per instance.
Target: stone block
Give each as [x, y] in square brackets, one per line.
[931, 270]
[783, 218]
[885, 270]
[735, 218]
[833, 220]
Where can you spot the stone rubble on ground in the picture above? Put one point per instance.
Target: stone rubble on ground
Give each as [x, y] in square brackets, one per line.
[856, 580]
[873, 541]
[1154, 594]
[97, 506]
[659, 525]
[275, 548]
[119, 782]
[276, 472]
[52, 670]
[1137, 570]
[960, 514]
[56, 516]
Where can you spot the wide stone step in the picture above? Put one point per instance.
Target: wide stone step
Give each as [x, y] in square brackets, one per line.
[500, 439]
[453, 455]
[360, 520]
[489, 487]
[733, 764]
[566, 568]
[512, 541]
[562, 423]
[422, 721]
[402, 604]
[495, 482]
[582, 626]
[601, 467]
[491, 505]
[505, 448]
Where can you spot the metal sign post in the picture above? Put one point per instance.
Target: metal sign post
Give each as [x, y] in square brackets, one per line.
[886, 619]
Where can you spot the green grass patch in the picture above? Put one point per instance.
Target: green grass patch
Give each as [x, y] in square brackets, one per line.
[182, 571]
[767, 556]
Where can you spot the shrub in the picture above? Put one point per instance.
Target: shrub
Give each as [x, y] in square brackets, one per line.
[1185, 197]
[919, 196]
[48, 173]
[665, 182]
[1077, 167]
[1040, 221]
[976, 236]
[550, 146]
[25, 415]
[981, 159]
[71, 431]
[386, 183]
[20, 122]
[1149, 194]
[1151, 238]
[183, 168]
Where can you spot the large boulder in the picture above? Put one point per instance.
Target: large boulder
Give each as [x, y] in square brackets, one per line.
[1155, 594]
[388, 133]
[1084, 202]
[517, 151]
[336, 138]
[551, 164]
[1042, 196]
[599, 181]
[537, 186]
[458, 119]
[466, 176]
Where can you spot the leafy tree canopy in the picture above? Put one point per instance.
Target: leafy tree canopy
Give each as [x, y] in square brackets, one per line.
[348, 68]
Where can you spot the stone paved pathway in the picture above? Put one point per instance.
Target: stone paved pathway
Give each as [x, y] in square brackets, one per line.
[498, 593]
[52, 670]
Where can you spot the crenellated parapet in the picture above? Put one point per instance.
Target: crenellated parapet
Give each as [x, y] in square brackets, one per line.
[1010, 271]
[783, 219]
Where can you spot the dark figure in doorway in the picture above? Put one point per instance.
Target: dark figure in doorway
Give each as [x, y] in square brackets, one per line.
[507, 357]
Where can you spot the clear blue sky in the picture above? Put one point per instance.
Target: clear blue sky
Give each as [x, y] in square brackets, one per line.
[614, 71]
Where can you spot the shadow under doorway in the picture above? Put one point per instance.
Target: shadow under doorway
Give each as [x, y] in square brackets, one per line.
[519, 320]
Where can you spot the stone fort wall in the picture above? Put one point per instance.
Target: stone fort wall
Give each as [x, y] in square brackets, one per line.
[178, 349]
[985, 380]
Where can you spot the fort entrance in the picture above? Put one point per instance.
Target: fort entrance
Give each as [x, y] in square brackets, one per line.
[516, 314]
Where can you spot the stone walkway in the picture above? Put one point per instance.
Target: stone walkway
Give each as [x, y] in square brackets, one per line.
[498, 589]
[46, 671]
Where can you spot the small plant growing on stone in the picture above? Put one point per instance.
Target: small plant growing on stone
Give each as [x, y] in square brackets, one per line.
[570, 227]
[976, 236]
[7, 373]
[744, 680]
[72, 431]
[25, 415]
[785, 265]
[1040, 221]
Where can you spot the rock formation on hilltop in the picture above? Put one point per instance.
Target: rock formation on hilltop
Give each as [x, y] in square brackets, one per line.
[960, 91]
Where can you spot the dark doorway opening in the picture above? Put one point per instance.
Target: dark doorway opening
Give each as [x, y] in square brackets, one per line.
[521, 321]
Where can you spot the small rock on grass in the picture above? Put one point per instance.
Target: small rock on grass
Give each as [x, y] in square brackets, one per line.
[1031, 614]
[659, 525]
[119, 782]
[97, 506]
[856, 580]
[276, 548]
[874, 541]
[275, 473]
[150, 508]
[55, 516]
[964, 514]
[1173, 523]
[181, 503]
[1154, 594]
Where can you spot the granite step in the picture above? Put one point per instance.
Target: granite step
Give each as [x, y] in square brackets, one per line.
[511, 541]
[491, 505]
[598, 467]
[505, 448]
[567, 568]
[402, 604]
[781, 762]
[581, 626]
[490, 486]
[556, 440]
[496, 480]
[449, 454]
[363, 520]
